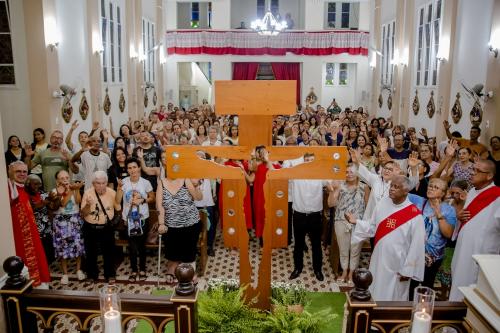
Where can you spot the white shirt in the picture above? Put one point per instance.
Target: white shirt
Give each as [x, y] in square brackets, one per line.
[142, 186]
[91, 163]
[208, 143]
[290, 164]
[206, 190]
[307, 195]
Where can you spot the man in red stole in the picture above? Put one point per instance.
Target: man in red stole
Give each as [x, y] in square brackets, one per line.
[27, 240]
[479, 232]
[399, 251]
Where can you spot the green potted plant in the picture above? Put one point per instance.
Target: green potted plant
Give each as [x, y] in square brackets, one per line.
[224, 311]
[291, 295]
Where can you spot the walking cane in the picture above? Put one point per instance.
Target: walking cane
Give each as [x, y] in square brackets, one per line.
[159, 262]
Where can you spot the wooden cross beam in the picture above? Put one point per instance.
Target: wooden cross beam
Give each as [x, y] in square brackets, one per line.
[255, 103]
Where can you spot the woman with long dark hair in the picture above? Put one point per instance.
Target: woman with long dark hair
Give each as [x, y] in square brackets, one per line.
[15, 151]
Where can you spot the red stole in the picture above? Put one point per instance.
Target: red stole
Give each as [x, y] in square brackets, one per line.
[481, 201]
[27, 240]
[395, 220]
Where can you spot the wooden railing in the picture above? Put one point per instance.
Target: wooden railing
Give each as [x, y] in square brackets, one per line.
[365, 315]
[25, 307]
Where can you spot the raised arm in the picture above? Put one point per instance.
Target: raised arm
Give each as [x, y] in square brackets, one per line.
[447, 126]
[68, 141]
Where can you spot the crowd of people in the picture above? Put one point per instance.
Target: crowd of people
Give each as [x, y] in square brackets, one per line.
[410, 196]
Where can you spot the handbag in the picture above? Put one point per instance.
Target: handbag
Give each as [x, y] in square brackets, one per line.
[115, 221]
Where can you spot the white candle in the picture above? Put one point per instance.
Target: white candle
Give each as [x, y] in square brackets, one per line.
[112, 321]
[421, 322]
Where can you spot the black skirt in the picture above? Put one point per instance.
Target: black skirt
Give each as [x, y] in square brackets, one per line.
[180, 243]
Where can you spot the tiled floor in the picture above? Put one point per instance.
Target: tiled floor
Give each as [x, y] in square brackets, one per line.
[223, 265]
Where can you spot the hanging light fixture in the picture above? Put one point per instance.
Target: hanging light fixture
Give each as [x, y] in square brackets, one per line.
[268, 25]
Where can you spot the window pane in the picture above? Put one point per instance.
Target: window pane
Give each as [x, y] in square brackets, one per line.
[275, 7]
[7, 75]
[345, 20]
[438, 9]
[6, 56]
[331, 6]
[4, 18]
[345, 6]
[330, 71]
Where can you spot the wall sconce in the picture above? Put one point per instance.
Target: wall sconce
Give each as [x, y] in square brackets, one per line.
[97, 47]
[163, 58]
[444, 49]
[142, 57]
[373, 61]
[52, 36]
[133, 52]
[494, 44]
[398, 60]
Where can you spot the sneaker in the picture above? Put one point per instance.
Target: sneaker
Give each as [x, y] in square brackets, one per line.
[64, 279]
[80, 275]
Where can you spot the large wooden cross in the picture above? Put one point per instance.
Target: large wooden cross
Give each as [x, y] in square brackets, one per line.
[255, 103]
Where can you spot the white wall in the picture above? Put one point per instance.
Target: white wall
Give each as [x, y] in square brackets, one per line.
[470, 55]
[246, 10]
[312, 74]
[72, 55]
[15, 100]
[344, 95]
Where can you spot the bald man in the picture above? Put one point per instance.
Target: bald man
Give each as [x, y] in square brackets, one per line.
[479, 231]
[399, 251]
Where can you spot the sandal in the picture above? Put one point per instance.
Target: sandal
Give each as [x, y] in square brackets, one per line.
[170, 279]
[142, 276]
[133, 277]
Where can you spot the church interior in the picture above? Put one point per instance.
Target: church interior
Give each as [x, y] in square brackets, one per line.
[338, 156]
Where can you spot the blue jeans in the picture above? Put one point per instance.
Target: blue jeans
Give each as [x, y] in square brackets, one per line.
[212, 231]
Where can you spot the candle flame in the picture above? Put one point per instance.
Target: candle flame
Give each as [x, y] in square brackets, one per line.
[423, 310]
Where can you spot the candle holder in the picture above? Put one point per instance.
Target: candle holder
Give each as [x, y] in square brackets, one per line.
[423, 307]
[109, 300]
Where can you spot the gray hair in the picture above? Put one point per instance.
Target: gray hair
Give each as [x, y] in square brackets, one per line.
[18, 162]
[99, 175]
[405, 180]
[33, 177]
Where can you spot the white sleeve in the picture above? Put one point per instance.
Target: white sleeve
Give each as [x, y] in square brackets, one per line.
[414, 264]
[367, 175]
[363, 230]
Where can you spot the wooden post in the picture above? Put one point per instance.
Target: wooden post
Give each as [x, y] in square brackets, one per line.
[184, 299]
[256, 102]
[16, 317]
[360, 303]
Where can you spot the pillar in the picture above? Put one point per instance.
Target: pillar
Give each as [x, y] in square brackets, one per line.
[377, 42]
[95, 68]
[491, 118]
[406, 52]
[43, 66]
[445, 66]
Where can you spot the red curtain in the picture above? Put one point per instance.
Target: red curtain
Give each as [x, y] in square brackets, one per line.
[288, 71]
[245, 70]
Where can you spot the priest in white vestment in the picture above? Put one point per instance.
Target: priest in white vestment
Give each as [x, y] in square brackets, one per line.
[399, 252]
[480, 229]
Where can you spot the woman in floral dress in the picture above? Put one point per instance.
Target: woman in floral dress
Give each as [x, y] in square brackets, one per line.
[66, 224]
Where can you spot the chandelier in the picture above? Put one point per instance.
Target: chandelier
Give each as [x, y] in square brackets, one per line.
[268, 26]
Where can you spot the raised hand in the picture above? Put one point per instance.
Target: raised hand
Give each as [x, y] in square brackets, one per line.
[28, 150]
[119, 184]
[451, 148]
[355, 156]
[65, 154]
[382, 143]
[423, 132]
[105, 134]
[446, 125]
[413, 159]
[139, 153]
[95, 125]
[74, 125]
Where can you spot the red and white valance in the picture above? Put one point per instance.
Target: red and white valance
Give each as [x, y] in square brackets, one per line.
[239, 42]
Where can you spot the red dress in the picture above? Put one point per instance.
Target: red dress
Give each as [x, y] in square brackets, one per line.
[258, 197]
[247, 201]
[27, 240]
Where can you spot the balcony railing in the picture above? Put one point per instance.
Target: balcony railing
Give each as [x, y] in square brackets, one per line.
[247, 42]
